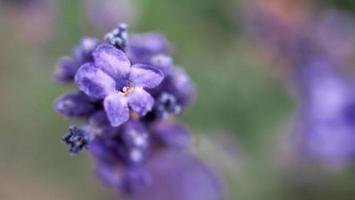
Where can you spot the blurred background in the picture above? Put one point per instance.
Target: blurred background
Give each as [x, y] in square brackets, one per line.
[240, 96]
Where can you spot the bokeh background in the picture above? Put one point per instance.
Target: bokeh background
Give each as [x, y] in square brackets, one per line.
[239, 96]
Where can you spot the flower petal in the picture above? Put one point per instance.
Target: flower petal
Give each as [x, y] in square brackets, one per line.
[145, 76]
[116, 108]
[65, 70]
[94, 82]
[171, 134]
[75, 105]
[112, 61]
[143, 46]
[140, 101]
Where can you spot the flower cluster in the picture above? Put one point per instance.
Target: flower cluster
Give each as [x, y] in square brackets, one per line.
[128, 92]
[317, 50]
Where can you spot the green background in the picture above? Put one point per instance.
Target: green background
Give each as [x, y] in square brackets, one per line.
[238, 95]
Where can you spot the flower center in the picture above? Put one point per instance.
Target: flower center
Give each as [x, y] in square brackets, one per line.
[128, 89]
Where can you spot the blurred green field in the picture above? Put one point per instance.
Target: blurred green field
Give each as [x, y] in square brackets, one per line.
[237, 94]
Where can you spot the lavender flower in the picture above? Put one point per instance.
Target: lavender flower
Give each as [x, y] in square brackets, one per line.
[325, 120]
[129, 93]
[122, 86]
[314, 51]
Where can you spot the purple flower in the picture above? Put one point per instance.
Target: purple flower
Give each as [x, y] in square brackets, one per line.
[122, 86]
[75, 105]
[129, 93]
[142, 47]
[68, 66]
[325, 122]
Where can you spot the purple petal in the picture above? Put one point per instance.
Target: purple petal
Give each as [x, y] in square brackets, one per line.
[65, 69]
[94, 82]
[143, 46]
[84, 50]
[182, 86]
[112, 61]
[116, 108]
[140, 101]
[145, 76]
[75, 105]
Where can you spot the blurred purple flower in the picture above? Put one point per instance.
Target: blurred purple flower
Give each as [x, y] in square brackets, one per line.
[68, 66]
[326, 122]
[315, 49]
[143, 47]
[328, 33]
[177, 175]
[334, 33]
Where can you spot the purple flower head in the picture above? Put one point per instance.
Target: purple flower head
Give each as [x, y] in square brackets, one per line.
[78, 140]
[68, 66]
[142, 47]
[122, 86]
[129, 93]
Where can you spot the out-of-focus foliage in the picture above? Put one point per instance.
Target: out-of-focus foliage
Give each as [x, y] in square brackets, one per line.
[237, 93]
